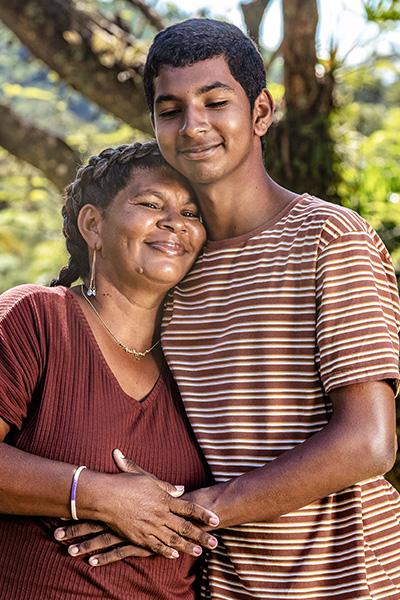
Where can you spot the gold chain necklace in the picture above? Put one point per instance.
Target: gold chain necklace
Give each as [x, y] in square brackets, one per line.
[136, 354]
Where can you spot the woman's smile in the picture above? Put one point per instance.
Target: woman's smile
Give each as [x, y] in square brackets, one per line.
[168, 246]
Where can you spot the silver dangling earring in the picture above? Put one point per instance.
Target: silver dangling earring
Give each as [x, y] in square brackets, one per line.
[91, 291]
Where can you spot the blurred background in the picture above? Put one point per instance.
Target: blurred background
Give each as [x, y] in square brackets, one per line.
[71, 84]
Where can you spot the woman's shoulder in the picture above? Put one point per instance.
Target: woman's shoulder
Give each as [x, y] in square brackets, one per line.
[31, 296]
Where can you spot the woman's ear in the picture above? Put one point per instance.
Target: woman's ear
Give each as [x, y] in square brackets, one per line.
[263, 112]
[90, 225]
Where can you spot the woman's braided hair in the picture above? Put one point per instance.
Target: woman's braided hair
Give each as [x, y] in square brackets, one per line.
[98, 183]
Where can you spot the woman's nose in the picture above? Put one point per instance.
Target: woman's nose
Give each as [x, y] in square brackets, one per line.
[173, 221]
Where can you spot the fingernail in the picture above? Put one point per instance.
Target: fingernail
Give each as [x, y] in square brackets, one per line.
[180, 488]
[73, 549]
[59, 534]
[212, 542]
[119, 453]
[197, 550]
[214, 521]
[175, 554]
[93, 561]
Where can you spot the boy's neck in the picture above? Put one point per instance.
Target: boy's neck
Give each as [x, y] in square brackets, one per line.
[232, 208]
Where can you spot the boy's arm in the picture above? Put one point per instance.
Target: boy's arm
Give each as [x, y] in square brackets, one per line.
[359, 442]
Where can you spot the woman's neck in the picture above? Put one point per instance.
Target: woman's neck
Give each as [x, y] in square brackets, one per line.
[132, 316]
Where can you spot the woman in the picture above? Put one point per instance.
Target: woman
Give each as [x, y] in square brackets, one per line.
[82, 374]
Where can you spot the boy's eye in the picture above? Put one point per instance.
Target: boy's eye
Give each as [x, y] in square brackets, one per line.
[217, 104]
[169, 113]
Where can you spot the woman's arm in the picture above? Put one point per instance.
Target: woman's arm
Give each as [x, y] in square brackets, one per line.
[135, 506]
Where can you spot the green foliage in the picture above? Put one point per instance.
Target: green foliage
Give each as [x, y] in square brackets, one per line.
[367, 135]
[382, 11]
[371, 179]
[31, 248]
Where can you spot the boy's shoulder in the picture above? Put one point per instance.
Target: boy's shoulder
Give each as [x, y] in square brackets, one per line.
[315, 210]
[332, 222]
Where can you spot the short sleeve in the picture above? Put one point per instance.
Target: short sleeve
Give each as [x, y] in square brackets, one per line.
[357, 310]
[20, 354]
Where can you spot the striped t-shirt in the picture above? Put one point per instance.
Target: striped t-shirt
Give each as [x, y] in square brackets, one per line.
[258, 334]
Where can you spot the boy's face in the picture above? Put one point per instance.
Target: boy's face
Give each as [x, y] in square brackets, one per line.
[203, 122]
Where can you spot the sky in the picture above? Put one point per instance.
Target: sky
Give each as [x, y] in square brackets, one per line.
[340, 20]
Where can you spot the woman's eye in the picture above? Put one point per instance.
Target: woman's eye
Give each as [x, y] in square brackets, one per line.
[149, 204]
[191, 214]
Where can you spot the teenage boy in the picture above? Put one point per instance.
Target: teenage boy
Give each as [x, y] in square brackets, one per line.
[283, 340]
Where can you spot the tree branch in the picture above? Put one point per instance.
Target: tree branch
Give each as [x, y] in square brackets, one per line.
[46, 152]
[253, 13]
[151, 15]
[91, 53]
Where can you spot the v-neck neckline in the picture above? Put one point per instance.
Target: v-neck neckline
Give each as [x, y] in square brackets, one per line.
[148, 398]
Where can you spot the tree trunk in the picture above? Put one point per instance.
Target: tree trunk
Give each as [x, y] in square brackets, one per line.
[44, 151]
[93, 55]
[300, 150]
[253, 14]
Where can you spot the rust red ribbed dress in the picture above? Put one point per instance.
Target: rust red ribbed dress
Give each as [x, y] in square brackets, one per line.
[64, 403]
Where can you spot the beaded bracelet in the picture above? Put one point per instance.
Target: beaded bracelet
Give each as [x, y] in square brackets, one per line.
[74, 487]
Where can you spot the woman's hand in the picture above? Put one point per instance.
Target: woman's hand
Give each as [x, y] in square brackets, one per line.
[145, 512]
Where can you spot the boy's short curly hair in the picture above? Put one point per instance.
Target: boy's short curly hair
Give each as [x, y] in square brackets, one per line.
[194, 40]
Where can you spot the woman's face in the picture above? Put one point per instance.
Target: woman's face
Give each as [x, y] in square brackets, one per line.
[151, 230]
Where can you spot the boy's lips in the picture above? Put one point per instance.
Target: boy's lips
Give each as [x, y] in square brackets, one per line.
[199, 152]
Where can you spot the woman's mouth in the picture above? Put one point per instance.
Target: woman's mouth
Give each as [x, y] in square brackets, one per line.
[169, 248]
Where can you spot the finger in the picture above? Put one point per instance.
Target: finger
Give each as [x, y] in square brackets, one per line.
[173, 490]
[99, 542]
[118, 554]
[129, 466]
[174, 540]
[69, 532]
[159, 547]
[194, 511]
[190, 531]
[126, 464]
